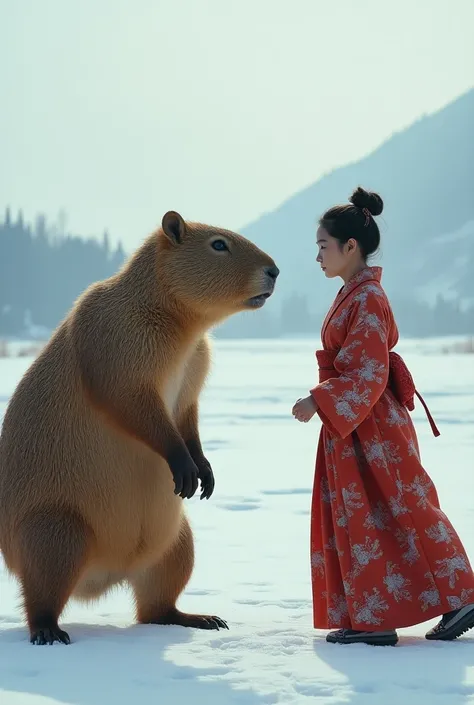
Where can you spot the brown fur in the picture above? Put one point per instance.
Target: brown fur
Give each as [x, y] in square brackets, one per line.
[105, 420]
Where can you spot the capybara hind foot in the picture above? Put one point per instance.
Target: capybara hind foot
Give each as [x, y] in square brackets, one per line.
[49, 636]
[46, 631]
[182, 619]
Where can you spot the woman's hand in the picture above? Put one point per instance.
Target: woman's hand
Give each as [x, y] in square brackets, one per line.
[304, 409]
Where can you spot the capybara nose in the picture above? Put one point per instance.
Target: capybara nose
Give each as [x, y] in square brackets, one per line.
[272, 272]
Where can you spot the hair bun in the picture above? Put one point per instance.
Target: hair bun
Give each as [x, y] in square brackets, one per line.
[367, 199]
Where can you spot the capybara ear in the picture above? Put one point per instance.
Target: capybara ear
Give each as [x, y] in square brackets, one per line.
[174, 227]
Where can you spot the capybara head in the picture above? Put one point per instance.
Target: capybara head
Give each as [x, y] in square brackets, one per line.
[212, 270]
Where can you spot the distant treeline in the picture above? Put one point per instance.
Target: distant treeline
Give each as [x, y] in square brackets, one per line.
[43, 269]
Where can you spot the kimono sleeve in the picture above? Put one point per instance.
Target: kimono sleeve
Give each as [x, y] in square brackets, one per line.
[361, 366]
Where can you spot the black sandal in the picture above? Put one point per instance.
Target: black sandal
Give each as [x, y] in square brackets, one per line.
[453, 624]
[352, 636]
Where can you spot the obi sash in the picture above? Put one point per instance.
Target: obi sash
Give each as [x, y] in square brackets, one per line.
[400, 381]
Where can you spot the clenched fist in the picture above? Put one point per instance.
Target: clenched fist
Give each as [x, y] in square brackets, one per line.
[304, 409]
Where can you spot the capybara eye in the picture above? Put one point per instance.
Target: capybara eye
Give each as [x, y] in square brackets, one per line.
[219, 245]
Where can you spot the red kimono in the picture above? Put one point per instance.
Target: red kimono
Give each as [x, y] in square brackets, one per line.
[383, 554]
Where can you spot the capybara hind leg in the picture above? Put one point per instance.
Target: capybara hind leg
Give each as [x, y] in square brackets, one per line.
[53, 549]
[157, 588]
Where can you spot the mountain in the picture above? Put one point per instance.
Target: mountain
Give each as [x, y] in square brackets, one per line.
[425, 175]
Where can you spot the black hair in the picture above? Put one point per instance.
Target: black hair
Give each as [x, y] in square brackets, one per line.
[356, 220]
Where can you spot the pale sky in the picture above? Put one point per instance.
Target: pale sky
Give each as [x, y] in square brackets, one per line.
[118, 110]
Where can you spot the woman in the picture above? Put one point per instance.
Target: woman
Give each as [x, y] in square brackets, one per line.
[383, 554]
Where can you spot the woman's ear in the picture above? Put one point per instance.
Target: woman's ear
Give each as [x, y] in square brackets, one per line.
[351, 244]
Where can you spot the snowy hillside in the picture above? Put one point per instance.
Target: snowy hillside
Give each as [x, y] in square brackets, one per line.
[252, 563]
[425, 175]
[445, 267]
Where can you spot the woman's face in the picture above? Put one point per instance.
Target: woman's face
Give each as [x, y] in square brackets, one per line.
[334, 258]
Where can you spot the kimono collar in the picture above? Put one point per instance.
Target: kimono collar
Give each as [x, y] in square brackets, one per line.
[366, 274]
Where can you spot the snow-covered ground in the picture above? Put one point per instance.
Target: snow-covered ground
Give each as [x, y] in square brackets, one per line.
[252, 562]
